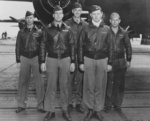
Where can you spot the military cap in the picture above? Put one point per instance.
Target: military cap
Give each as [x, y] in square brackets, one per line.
[57, 8]
[28, 13]
[114, 14]
[95, 8]
[77, 5]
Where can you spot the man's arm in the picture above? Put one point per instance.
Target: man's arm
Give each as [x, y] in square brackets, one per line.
[128, 48]
[17, 49]
[42, 53]
[109, 46]
[72, 47]
[80, 49]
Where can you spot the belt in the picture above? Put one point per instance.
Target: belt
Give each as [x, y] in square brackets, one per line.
[58, 56]
[96, 56]
[119, 56]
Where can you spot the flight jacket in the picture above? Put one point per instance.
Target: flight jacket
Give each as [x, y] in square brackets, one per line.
[121, 44]
[94, 43]
[57, 42]
[28, 43]
[76, 28]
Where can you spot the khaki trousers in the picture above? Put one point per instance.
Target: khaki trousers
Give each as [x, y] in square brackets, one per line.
[57, 69]
[28, 65]
[95, 80]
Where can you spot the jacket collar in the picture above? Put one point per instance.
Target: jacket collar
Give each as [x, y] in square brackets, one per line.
[119, 29]
[92, 25]
[62, 26]
[81, 21]
[33, 29]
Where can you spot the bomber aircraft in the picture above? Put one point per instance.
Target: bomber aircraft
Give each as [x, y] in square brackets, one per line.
[134, 13]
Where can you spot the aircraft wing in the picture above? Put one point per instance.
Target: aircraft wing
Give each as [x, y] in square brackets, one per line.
[7, 20]
[12, 19]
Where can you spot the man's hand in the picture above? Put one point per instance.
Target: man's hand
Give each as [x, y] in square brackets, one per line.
[109, 68]
[128, 64]
[72, 67]
[43, 67]
[18, 65]
[81, 67]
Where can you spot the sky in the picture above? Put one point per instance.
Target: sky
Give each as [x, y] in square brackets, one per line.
[14, 9]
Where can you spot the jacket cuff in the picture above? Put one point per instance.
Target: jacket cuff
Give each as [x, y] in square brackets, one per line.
[129, 59]
[109, 63]
[81, 62]
[42, 62]
[72, 61]
[18, 61]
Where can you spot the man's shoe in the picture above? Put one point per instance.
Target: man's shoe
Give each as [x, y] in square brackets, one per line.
[118, 109]
[79, 108]
[89, 115]
[41, 110]
[70, 107]
[107, 109]
[99, 116]
[20, 109]
[66, 115]
[50, 115]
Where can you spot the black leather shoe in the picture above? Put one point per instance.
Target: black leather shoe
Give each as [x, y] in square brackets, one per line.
[66, 116]
[118, 109]
[20, 109]
[79, 108]
[70, 107]
[89, 115]
[49, 116]
[99, 116]
[41, 110]
[107, 109]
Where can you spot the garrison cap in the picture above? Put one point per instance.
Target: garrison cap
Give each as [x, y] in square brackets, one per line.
[77, 5]
[28, 13]
[57, 8]
[95, 8]
[114, 14]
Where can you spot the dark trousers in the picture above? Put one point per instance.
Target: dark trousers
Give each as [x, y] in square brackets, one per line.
[76, 86]
[57, 69]
[27, 66]
[115, 85]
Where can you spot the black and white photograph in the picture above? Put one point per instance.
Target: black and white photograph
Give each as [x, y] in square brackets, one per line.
[74, 60]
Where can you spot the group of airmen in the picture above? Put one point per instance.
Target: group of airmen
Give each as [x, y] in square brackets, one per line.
[89, 59]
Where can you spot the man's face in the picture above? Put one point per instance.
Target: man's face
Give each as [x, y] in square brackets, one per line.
[29, 19]
[58, 15]
[77, 12]
[115, 21]
[96, 15]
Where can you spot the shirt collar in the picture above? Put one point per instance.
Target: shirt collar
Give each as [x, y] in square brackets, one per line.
[27, 29]
[81, 21]
[119, 29]
[96, 23]
[100, 25]
[62, 25]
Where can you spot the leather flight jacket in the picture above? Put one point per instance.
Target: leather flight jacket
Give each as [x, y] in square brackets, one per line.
[76, 28]
[28, 43]
[94, 43]
[57, 42]
[121, 44]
